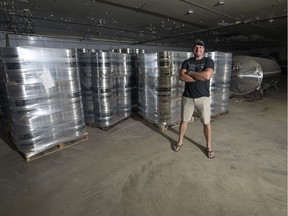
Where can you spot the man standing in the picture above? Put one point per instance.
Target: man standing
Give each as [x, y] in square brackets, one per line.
[196, 72]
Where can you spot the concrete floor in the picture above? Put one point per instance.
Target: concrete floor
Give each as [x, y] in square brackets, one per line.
[131, 170]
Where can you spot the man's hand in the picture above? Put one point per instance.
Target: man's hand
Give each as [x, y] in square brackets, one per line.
[190, 73]
[184, 76]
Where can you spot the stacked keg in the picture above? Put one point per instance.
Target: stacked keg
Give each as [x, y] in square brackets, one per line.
[106, 87]
[160, 90]
[151, 95]
[103, 86]
[44, 98]
[84, 64]
[121, 68]
[133, 53]
[220, 82]
[177, 85]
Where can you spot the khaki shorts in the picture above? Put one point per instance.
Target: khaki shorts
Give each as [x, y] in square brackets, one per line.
[202, 106]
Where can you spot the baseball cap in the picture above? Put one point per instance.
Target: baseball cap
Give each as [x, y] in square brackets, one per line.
[199, 42]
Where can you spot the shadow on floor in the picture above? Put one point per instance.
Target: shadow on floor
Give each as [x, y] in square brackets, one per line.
[5, 134]
[162, 133]
[201, 147]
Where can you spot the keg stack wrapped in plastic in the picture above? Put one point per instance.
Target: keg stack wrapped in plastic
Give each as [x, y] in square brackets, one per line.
[110, 91]
[177, 86]
[102, 89]
[133, 53]
[160, 90]
[44, 97]
[220, 82]
[122, 71]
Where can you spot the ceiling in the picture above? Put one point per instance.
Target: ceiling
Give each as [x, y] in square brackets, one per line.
[223, 25]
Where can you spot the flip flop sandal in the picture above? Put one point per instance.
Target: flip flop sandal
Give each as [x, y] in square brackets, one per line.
[210, 154]
[177, 147]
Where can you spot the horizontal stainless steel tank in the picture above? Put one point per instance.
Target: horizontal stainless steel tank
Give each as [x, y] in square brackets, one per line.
[250, 73]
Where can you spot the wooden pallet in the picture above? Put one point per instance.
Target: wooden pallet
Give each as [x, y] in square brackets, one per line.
[150, 123]
[55, 148]
[106, 128]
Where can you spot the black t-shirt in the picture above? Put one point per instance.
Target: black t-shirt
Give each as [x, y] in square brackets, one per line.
[199, 88]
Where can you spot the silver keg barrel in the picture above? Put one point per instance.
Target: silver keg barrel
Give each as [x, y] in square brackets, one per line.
[177, 60]
[44, 96]
[102, 81]
[102, 88]
[124, 64]
[86, 85]
[123, 73]
[252, 73]
[103, 110]
[123, 104]
[101, 64]
[123, 83]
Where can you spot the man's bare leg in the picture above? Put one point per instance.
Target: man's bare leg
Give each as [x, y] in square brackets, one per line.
[208, 137]
[182, 130]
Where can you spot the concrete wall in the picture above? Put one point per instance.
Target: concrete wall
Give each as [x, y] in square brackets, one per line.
[13, 40]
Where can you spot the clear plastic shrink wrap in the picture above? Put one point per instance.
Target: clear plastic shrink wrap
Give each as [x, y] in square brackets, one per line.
[106, 87]
[44, 97]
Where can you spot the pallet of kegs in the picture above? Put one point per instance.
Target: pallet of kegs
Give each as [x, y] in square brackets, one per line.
[106, 87]
[44, 97]
[159, 87]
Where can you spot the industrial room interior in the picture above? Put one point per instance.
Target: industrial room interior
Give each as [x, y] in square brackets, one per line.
[130, 168]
